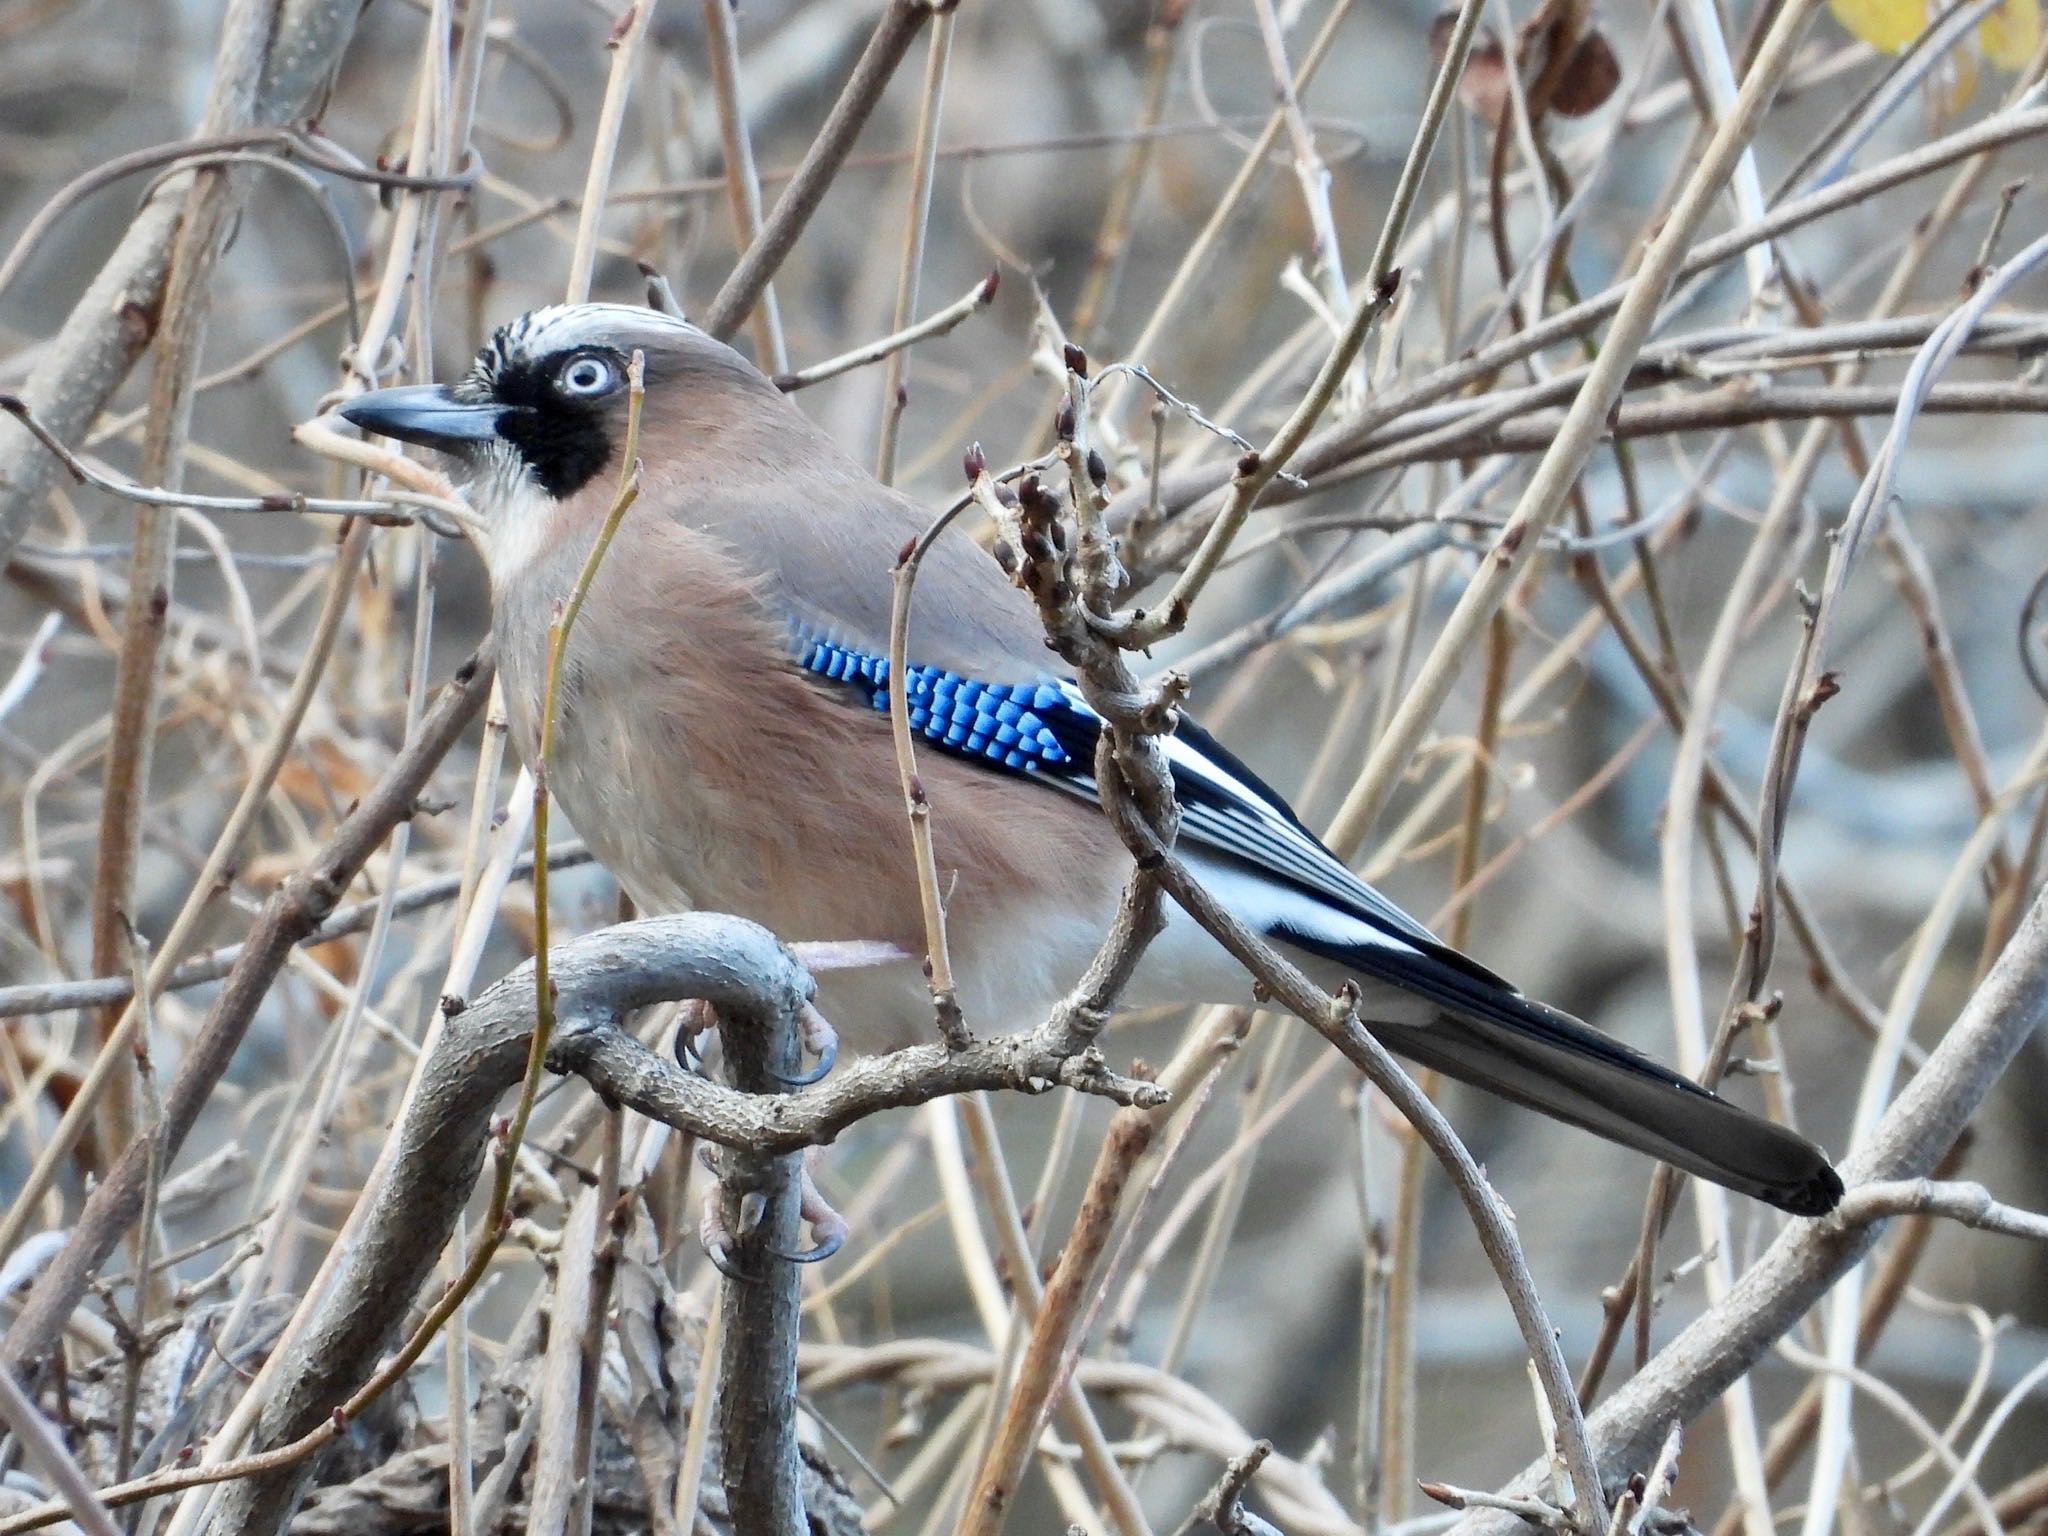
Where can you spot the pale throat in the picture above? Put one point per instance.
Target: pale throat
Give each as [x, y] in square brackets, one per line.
[519, 519]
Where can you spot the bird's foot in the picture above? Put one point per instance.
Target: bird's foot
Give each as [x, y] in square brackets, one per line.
[697, 1018]
[821, 1040]
[721, 1239]
[694, 1020]
[716, 1234]
[828, 1228]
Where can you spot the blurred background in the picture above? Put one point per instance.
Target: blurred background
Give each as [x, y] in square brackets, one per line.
[1082, 148]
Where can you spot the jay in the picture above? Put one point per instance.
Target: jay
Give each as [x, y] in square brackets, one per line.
[723, 741]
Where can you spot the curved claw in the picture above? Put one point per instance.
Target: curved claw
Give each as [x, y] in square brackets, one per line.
[829, 1242]
[827, 1226]
[828, 1057]
[720, 1255]
[696, 1018]
[717, 1239]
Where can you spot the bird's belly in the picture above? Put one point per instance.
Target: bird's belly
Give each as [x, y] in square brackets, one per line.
[699, 853]
[669, 838]
[676, 841]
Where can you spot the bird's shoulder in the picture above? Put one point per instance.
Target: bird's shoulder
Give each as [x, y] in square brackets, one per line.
[818, 541]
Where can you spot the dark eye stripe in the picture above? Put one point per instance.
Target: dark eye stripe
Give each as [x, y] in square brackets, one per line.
[564, 438]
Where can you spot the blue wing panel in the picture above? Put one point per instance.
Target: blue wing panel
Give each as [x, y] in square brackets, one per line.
[1046, 730]
[1001, 723]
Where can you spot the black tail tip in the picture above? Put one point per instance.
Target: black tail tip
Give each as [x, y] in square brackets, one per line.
[1815, 1195]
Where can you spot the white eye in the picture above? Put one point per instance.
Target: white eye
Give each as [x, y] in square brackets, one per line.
[587, 376]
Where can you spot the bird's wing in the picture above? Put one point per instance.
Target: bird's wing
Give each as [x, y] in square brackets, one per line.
[1044, 731]
[823, 555]
[1277, 877]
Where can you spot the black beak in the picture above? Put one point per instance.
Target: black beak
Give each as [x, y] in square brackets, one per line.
[426, 414]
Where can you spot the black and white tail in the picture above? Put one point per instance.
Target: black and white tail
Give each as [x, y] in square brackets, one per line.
[1494, 1038]
[1430, 1003]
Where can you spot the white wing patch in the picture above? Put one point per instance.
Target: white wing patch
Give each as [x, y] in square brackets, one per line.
[1223, 808]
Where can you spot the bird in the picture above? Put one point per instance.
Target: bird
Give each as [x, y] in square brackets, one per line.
[723, 742]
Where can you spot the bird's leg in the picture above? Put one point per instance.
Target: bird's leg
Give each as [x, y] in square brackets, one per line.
[721, 1239]
[821, 1040]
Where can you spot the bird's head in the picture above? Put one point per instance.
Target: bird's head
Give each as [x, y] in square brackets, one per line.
[538, 423]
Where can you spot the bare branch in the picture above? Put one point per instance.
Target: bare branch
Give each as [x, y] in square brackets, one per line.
[1808, 1257]
[892, 38]
[1960, 1201]
[296, 909]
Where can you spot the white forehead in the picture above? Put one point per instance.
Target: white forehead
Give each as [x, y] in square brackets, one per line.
[563, 327]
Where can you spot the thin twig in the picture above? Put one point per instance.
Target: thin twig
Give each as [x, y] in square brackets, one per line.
[50, 1456]
[742, 179]
[1969, 1204]
[297, 907]
[892, 38]
[624, 43]
[437, 511]
[938, 323]
[1223, 1505]
[916, 802]
[1255, 471]
[910, 269]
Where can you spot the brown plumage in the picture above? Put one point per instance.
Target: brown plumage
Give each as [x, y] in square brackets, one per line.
[752, 789]
[710, 761]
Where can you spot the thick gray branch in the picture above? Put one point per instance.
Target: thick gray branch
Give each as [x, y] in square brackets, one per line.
[620, 1068]
[600, 979]
[482, 1053]
[763, 1308]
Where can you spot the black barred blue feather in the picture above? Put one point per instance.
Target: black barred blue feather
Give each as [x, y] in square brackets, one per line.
[1002, 723]
[1046, 731]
